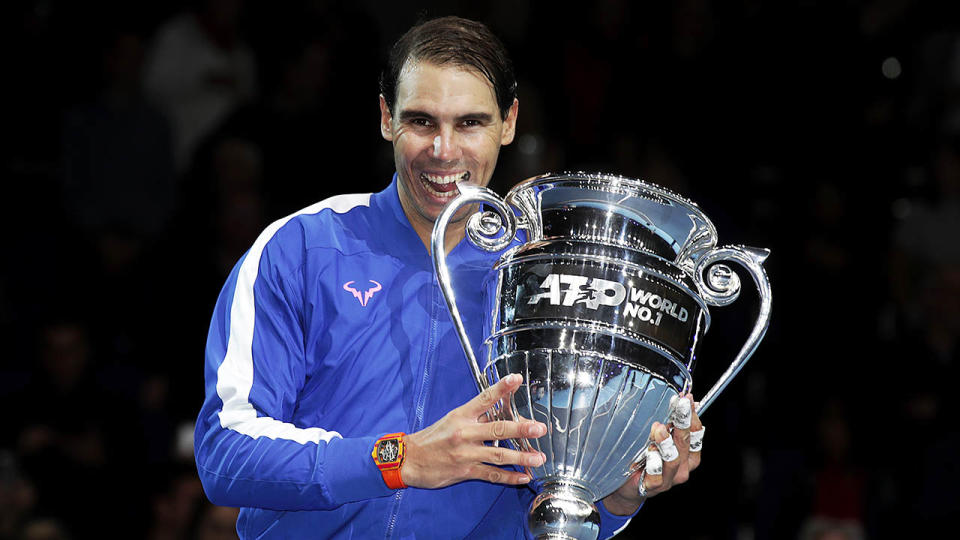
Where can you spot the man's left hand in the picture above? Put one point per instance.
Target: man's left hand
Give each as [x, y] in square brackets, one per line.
[628, 498]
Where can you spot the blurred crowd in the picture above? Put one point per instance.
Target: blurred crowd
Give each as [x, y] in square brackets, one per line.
[149, 143]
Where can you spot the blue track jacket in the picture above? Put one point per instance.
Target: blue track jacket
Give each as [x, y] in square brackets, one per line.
[330, 332]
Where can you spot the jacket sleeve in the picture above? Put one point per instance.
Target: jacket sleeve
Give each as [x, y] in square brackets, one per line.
[248, 453]
[610, 524]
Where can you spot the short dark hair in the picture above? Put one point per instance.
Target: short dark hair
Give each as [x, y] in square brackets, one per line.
[453, 41]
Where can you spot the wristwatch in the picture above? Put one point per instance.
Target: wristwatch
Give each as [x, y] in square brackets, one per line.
[388, 455]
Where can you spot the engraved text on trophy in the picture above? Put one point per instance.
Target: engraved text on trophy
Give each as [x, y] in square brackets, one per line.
[632, 301]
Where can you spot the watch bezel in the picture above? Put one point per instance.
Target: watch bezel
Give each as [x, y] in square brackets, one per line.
[392, 464]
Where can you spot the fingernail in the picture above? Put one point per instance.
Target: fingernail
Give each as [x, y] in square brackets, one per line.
[513, 378]
[538, 430]
[524, 479]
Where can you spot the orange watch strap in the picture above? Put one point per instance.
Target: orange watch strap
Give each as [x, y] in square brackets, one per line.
[392, 479]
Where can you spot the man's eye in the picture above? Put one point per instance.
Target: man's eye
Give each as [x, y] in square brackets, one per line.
[471, 123]
[422, 122]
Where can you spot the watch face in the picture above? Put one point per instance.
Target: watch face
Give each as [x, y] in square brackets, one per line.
[388, 450]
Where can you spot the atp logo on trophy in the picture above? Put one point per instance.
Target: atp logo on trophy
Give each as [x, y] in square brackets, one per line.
[645, 305]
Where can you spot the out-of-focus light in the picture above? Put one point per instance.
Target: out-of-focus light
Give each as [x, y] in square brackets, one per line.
[891, 68]
[901, 208]
[528, 144]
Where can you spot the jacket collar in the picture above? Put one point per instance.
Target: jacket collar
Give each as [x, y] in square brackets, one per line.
[400, 239]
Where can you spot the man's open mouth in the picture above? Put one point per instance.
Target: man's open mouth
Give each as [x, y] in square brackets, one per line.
[443, 185]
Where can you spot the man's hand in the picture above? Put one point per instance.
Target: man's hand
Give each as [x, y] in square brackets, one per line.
[627, 499]
[452, 449]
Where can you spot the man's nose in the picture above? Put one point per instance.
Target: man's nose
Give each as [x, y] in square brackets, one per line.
[446, 144]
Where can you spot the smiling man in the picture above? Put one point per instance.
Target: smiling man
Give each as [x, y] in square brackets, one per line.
[338, 402]
[446, 118]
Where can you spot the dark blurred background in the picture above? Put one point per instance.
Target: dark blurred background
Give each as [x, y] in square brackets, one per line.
[149, 142]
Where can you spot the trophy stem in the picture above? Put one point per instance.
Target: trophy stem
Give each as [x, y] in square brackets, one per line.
[563, 511]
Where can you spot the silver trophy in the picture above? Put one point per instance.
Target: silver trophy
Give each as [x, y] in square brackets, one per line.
[600, 306]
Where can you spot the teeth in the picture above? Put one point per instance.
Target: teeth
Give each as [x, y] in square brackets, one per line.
[437, 179]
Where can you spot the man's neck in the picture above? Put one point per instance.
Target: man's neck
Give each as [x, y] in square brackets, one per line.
[454, 234]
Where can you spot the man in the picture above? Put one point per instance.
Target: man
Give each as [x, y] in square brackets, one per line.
[333, 321]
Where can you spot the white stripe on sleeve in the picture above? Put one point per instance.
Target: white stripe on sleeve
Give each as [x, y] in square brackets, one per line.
[618, 531]
[235, 374]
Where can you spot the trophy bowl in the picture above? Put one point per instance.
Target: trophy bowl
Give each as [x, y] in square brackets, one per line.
[599, 300]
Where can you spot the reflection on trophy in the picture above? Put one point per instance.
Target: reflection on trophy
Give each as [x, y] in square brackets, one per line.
[599, 303]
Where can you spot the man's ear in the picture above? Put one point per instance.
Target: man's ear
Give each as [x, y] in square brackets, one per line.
[386, 120]
[510, 123]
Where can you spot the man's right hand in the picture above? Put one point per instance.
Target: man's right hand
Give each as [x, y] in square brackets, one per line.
[452, 449]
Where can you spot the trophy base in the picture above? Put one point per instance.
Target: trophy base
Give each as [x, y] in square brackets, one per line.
[563, 511]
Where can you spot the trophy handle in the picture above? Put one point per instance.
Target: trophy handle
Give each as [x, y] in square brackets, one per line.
[481, 229]
[720, 288]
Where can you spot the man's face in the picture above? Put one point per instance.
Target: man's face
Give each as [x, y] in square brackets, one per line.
[446, 129]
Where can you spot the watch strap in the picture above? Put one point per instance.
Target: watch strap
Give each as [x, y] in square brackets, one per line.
[392, 479]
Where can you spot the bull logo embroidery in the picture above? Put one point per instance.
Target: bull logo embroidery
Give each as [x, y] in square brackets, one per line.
[367, 294]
